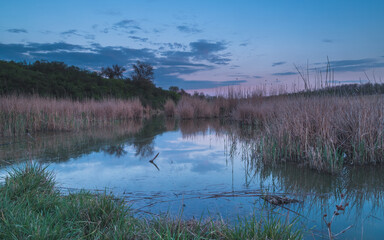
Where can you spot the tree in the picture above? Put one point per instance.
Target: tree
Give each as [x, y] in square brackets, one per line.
[115, 72]
[174, 89]
[142, 72]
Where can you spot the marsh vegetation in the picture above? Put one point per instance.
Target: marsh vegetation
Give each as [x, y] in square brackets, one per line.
[315, 146]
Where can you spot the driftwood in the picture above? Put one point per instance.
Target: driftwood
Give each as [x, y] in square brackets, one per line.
[154, 164]
[277, 200]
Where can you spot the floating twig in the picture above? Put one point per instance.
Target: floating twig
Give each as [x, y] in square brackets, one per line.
[154, 164]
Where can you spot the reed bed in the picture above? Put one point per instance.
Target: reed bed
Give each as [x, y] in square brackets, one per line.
[324, 132]
[194, 107]
[169, 108]
[33, 113]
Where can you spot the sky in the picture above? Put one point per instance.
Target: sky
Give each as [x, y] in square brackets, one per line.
[203, 45]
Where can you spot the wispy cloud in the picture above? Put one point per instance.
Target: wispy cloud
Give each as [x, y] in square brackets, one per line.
[131, 26]
[188, 29]
[278, 63]
[354, 65]
[284, 73]
[71, 32]
[140, 39]
[243, 44]
[326, 40]
[348, 81]
[17, 30]
[239, 75]
[74, 32]
[256, 76]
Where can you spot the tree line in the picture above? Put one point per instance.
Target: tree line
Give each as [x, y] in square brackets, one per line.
[56, 79]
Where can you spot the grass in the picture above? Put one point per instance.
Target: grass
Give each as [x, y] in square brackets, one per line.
[32, 208]
[18, 113]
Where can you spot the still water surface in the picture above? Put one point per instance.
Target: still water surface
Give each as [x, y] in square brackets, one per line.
[204, 168]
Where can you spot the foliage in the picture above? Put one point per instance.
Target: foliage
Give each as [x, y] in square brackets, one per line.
[142, 72]
[56, 79]
[113, 72]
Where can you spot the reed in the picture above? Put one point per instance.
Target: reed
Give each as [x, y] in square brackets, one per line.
[325, 133]
[194, 107]
[322, 131]
[18, 113]
[169, 108]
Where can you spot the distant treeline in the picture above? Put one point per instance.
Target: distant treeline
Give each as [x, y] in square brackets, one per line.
[56, 79]
[346, 90]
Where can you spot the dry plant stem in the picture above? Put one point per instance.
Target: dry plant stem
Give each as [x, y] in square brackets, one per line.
[21, 115]
[336, 213]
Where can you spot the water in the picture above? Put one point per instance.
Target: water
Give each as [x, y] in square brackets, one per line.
[204, 168]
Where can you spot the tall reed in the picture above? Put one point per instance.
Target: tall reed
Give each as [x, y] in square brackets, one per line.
[169, 108]
[194, 107]
[324, 132]
[18, 113]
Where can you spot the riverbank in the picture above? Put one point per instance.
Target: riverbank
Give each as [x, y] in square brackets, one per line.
[32, 207]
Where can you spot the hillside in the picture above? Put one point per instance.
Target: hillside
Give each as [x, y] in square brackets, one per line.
[56, 79]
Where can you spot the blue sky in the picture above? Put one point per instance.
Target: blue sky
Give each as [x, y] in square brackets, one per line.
[202, 44]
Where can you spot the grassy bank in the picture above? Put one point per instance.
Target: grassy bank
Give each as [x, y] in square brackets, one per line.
[32, 208]
[33, 113]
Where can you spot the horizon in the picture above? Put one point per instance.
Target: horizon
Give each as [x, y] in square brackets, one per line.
[203, 45]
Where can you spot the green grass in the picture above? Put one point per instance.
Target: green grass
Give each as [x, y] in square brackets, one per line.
[32, 208]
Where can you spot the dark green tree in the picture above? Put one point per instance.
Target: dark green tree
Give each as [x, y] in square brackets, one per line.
[142, 72]
[174, 89]
[115, 71]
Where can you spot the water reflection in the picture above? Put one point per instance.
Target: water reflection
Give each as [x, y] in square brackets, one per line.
[206, 166]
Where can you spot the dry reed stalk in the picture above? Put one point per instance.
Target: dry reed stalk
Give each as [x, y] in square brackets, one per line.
[18, 113]
[169, 108]
[326, 132]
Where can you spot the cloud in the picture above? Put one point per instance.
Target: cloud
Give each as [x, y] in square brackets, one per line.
[71, 32]
[204, 50]
[94, 56]
[200, 51]
[168, 81]
[349, 81]
[140, 39]
[284, 73]
[239, 75]
[127, 24]
[257, 76]
[74, 32]
[278, 63]
[89, 36]
[327, 40]
[243, 44]
[188, 29]
[354, 65]
[169, 65]
[17, 30]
